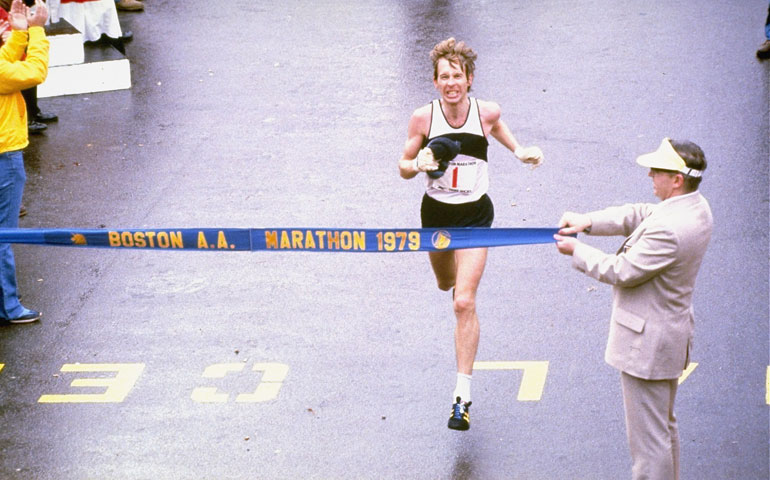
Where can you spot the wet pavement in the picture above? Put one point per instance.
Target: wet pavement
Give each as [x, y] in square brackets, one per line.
[193, 365]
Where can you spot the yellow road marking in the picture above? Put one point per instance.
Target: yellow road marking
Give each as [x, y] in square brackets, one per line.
[267, 389]
[532, 381]
[117, 387]
[690, 368]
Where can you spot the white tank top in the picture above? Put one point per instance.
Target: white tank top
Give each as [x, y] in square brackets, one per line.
[466, 178]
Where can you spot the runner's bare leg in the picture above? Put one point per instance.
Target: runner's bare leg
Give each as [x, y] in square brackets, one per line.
[462, 269]
[470, 267]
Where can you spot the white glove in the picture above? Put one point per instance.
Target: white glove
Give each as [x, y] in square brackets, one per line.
[531, 155]
[425, 162]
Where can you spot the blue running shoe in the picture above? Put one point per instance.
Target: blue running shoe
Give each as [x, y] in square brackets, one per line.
[460, 419]
[27, 316]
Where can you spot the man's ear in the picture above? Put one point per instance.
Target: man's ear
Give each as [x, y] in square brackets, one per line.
[679, 180]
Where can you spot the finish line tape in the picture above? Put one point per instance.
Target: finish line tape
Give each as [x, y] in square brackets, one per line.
[286, 239]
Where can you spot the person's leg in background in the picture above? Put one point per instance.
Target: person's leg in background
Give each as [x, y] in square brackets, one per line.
[36, 120]
[12, 180]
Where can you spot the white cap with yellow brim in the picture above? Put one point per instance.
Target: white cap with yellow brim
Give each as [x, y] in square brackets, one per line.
[666, 158]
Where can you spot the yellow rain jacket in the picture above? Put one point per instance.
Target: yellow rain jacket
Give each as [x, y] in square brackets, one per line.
[17, 75]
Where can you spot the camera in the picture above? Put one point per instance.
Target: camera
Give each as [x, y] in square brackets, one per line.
[29, 3]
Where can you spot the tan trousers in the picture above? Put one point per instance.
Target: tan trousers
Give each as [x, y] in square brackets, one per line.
[651, 427]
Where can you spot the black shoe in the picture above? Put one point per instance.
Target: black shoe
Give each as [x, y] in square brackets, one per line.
[36, 127]
[764, 51]
[127, 36]
[118, 44]
[460, 419]
[29, 316]
[46, 117]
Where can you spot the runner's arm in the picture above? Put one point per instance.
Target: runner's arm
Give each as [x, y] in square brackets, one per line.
[491, 114]
[417, 131]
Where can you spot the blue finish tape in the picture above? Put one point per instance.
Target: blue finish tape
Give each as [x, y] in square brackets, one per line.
[284, 239]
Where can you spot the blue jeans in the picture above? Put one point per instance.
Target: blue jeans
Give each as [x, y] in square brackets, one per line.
[12, 179]
[767, 24]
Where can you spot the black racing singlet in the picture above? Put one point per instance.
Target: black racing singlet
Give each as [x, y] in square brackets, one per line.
[466, 178]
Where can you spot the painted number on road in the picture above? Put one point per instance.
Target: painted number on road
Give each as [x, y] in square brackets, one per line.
[273, 375]
[117, 387]
[692, 366]
[532, 381]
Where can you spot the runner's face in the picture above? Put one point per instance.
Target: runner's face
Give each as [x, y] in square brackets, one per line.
[452, 83]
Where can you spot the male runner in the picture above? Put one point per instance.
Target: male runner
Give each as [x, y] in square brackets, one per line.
[458, 198]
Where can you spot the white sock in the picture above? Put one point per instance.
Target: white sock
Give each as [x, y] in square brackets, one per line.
[463, 388]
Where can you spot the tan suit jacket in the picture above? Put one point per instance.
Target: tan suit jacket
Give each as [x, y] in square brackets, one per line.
[653, 278]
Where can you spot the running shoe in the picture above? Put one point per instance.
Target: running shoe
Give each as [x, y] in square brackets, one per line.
[27, 316]
[460, 419]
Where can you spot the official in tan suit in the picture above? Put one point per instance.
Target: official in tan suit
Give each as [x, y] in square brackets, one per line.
[653, 278]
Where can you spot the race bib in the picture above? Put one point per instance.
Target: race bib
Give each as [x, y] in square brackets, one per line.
[460, 176]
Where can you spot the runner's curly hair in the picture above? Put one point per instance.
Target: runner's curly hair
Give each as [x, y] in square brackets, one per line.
[456, 53]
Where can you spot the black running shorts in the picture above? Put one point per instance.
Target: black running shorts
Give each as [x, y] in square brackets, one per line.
[435, 214]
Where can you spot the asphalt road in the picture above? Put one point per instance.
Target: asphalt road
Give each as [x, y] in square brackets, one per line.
[228, 365]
